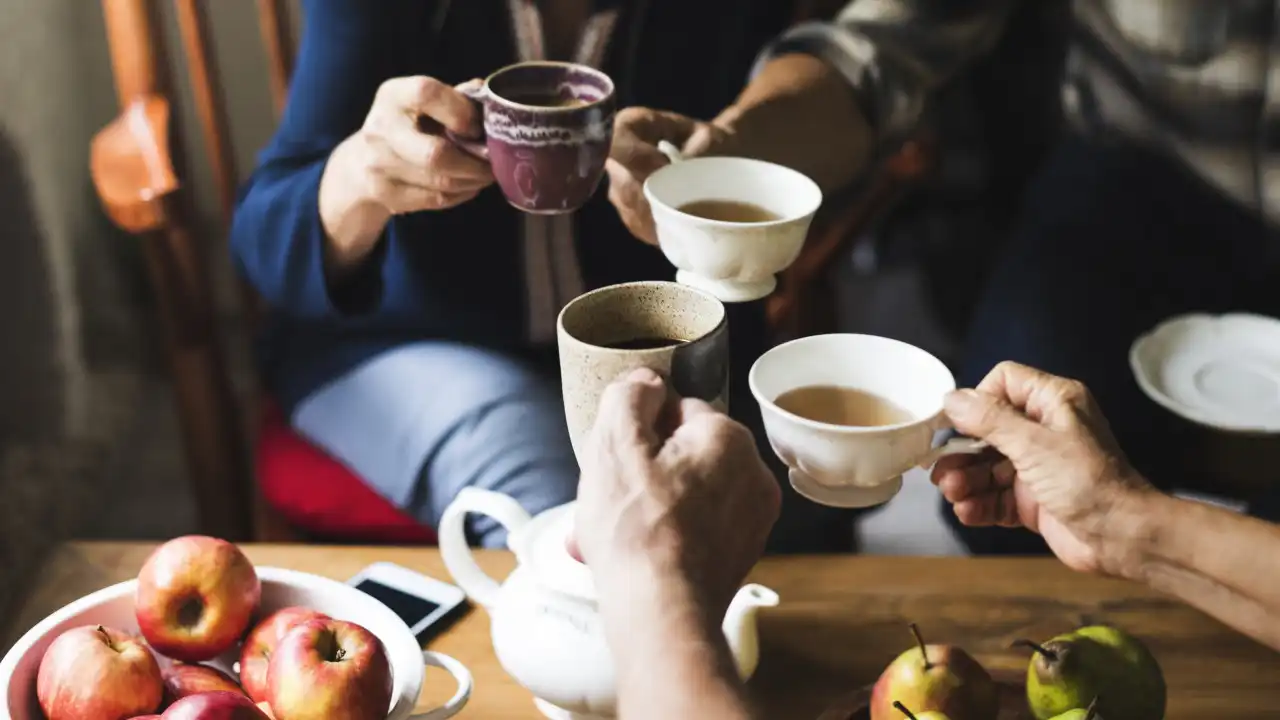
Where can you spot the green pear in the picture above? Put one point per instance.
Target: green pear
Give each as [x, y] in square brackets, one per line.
[1091, 713]
[1095, 662]
[922, 716]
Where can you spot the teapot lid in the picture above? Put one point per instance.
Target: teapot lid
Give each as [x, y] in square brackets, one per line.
[540, 546]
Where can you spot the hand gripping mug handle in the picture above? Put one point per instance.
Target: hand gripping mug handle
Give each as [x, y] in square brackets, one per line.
[475, 147]
[954, 446]
[460, 674]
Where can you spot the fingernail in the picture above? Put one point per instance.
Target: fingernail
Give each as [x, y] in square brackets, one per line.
[960, 400]
[644, 375]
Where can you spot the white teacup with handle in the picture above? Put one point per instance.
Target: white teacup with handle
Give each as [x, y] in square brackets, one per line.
[735, 260]
[856, 465]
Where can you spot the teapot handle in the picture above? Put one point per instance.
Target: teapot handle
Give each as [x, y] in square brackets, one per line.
[453, 539]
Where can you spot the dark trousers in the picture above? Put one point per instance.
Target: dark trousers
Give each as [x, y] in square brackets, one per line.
[1113, 240]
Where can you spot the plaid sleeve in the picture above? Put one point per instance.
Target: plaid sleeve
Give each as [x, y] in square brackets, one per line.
[895, 52]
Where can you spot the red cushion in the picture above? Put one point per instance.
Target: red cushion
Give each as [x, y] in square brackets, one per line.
[319, 495]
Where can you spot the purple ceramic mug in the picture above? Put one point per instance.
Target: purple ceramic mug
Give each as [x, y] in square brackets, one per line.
[548, 127]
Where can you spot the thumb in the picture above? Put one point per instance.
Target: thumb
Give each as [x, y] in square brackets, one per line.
[637, 158]
[984, 416]
[629, 411]
[637, 132]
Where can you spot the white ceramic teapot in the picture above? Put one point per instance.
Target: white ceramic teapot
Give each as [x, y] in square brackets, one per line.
[546, 629]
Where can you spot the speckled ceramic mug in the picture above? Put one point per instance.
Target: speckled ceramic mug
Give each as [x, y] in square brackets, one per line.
[548, 128]
[679, 332]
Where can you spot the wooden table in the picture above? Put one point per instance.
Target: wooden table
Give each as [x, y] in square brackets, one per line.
[841, 620]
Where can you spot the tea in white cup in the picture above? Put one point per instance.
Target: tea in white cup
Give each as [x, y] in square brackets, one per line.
[849, 414]
[729, 224]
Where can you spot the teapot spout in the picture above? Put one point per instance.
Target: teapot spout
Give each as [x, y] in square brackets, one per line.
[740, 626]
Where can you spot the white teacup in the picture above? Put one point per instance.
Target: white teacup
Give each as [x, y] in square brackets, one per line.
[734, 261]
[852, 465]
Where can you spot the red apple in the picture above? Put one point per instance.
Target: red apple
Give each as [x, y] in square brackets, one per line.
[261, 643]
[97, 673]
[330, 670]
[196, 596]
[146, 717]
[182, 680]
[220, 705]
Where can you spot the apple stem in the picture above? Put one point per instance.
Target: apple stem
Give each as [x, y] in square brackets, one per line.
[924, 652]
[903, 709]
[1036, 647]
[106, 637]
[1092, 712]
[337, 656]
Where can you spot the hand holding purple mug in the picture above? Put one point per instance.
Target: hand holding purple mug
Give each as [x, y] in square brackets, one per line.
[390, 166]
[547, 131]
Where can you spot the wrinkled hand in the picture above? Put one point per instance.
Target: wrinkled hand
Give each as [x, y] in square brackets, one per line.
[401, 158]
[672, 489]
[635, 156]
[1061, 475]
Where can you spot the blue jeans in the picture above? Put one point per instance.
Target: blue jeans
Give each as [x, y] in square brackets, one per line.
[422, 421]
[1113, 240]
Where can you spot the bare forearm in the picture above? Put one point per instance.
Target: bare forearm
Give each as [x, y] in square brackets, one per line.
[1217, 561]
[672, 659]
[800, 112]
[352, 221]
[828, 93]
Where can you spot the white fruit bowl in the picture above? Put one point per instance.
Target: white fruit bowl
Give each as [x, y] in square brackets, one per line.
[113, 607]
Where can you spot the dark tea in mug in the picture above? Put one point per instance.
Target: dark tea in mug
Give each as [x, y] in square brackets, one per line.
[645, 343]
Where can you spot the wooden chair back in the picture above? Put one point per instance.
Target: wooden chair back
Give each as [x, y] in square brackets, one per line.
[134, 163]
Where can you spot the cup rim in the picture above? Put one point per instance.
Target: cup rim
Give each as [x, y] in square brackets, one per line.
[565, 334]
[607, 97]
[796, 174]
[769, 404]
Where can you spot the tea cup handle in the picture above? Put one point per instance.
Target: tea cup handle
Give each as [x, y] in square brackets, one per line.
[955, 446]
[460, 674]
[476, 147]
[671, 151]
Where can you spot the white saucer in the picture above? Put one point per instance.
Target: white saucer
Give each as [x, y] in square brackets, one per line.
[845, 497]
[554, 713]
[1222, 371]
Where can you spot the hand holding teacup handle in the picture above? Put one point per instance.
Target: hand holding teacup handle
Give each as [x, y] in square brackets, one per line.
[954, 446]
[672, 152]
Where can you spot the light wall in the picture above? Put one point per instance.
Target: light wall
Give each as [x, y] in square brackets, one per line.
[78, 348]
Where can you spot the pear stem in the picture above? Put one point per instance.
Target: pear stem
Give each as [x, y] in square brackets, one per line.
[903, 709]
[1092, 712]
[1036, 647]
[924, 652]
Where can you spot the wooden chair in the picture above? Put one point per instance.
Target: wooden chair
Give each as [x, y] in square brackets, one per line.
[136, 167]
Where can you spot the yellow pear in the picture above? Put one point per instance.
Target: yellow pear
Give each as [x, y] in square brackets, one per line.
[941, 679]
[930, 715]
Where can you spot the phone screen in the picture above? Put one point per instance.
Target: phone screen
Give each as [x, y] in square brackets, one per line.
[411, 608]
